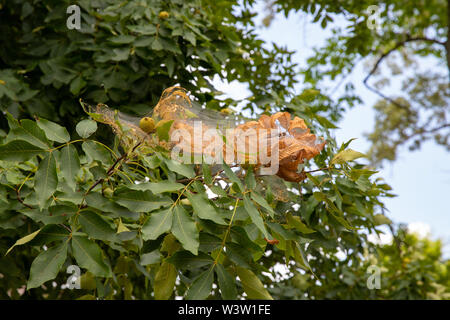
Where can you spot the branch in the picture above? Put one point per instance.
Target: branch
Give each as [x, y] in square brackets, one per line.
[447, 43]
[112, 168]
[422, 131]
[387, 53]
[21, 201]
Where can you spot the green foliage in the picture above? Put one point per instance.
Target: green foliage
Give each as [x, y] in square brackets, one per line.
[166, 226]
[139, 224]
[125, 55]
[410, 268]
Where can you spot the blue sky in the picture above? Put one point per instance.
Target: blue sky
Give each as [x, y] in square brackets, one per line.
[421, 179]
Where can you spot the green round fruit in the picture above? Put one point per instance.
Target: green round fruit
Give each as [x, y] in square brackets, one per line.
[147, 124]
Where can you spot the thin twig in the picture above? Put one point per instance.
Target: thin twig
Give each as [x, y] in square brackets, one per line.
[21, 201]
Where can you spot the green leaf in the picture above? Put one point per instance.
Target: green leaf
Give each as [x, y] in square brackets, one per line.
[309, 95]
[163, 128]
[50, 233]
[19, 150]
[180, 168]
[346, 144]
[86, 127]
[255, 216]
[96, 226]
[47, 265]
[89, 255]
[158, 187]
[253, 287]
[30, 132]
[147, 29]
[70, 165]
[157, 44]
[263, 203]
[152, 162]
[122, 39]
[203, 208]
[301, 258]
[380, 219]
[218, 190]
[200, 289]
[158, 223]
[335, 212]
[76, 85]
[164, 281]
[227, 284]
[150, 258]
[206, 169]
[140, 201]
[325, 122]
[250, 180]
[46, 179]
[298, 224]
[99, 202]
[286, 234]
[24, 240]
[96, 152]
[187, 261]
[87, 281]
[121, 227]
[54, 131]
[232, 176]
[184, 229]
[346, 155]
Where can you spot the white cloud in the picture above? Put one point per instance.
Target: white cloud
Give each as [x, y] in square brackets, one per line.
[421, 229]
[381, 239]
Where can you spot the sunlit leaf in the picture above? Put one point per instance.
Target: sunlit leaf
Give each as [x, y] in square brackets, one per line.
[253, 287]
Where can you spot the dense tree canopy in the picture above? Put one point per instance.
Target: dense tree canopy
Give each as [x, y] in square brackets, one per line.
[68, 190]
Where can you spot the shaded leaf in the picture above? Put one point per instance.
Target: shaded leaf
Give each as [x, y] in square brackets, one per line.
[140, 201]
[203, 209]
[95, 226]
[150, 258]
[255, 216]
[263, 203]
[54, 131]
[19, 150]
[47, 265]
[86, 127]
[89, 255]
[298, 224]
[70, 165]
[184, 229]
[164, 281]
[30, 132]
[232, 176]
[201, 287]
[186, 260]
[158, 187]
[158, 223]
[46, 179]
[180, 168]
[227, 284]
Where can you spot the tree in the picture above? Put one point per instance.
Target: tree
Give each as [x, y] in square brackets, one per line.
[67, 186]
[393, 38]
